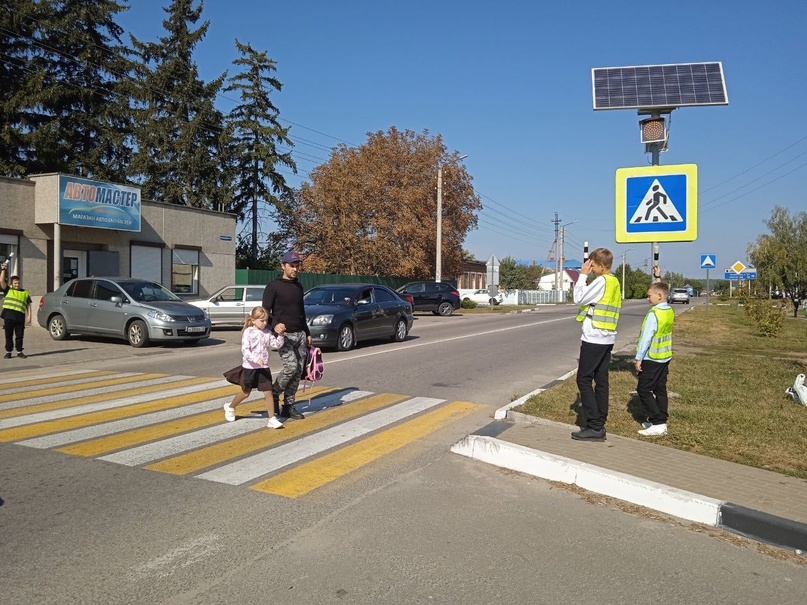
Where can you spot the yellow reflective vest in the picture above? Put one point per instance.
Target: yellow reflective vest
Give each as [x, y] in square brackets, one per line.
[604, 313]
[661, 344]
[16, 300]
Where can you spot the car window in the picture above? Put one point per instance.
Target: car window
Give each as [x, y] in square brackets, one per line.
[413, 288]
[105, 290]
[255, 294]
[431, 287]
[328, 296]
[232, 295]
[366, 294]
[382, 295]
[80, 288]
[146, 291]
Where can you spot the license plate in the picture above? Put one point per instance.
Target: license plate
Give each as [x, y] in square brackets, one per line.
[195, 329]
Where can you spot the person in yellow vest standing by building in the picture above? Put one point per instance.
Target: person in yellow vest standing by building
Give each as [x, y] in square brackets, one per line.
[16, 312]
[600, 303]
[652, 359]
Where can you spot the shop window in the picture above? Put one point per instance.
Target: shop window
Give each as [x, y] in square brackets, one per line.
[185, 271]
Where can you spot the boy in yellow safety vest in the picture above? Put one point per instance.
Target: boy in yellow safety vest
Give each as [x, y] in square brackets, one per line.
[653, 355]
[600, 302]
[16, 311]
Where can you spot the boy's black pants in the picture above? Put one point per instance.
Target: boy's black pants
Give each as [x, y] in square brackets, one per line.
[652, 390]
[14, 332]
[595, 360]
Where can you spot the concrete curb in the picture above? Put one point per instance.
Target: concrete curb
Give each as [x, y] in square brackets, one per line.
[663, 498]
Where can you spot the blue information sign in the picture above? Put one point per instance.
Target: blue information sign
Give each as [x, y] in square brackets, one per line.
[708, 261]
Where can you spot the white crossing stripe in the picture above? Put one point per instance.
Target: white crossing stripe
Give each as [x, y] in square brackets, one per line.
[38, 374]
[107, 405]
[118, 426]
[165, 448]
[112, 389]
[276, 458]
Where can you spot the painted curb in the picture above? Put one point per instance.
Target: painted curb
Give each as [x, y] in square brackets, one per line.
[663, 498]
[763, 526]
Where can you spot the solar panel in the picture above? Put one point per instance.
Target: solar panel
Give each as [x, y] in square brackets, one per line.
[659, 86]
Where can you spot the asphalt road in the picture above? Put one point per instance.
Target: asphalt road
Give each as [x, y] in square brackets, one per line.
[419, 525]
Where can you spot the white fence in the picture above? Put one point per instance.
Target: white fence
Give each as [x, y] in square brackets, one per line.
[531, 297]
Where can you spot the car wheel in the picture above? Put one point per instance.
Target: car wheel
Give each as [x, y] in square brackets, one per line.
[493, 302]
[346, 339]
[137, 334]
[445, 309]
[400, 331]
[57, 328]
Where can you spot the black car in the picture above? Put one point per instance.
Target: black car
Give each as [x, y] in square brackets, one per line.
[340, 315]
[441, 298]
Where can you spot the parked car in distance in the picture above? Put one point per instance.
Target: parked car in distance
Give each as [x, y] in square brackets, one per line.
[679, 295]
[441, 298]
[231, 305]
[482, 297]
[136, 310]
[341, 315]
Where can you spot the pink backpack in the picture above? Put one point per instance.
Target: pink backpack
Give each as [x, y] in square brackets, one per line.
[313, 369]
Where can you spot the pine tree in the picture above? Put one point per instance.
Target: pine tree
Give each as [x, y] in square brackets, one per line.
[182, 143]
[257, 133]
[68, 112]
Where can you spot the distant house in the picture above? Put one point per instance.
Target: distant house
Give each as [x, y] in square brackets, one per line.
[568, 279]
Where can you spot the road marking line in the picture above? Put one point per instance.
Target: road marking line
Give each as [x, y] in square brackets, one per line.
[66, 400]
[117, 411]
[174, 446]
[276, 458]
[24, 381]
[119, 426]
[309, 476]
[234, 448]
[83, 405]
[124, 378]
[134, 437]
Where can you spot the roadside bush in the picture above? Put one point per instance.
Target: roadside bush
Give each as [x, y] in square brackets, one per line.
[468, 304]
[768, 316]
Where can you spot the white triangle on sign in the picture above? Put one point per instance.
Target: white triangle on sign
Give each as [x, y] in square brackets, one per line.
[656, 207]
[708, 261]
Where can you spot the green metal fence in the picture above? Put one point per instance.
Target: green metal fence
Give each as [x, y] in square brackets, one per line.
[309, 280]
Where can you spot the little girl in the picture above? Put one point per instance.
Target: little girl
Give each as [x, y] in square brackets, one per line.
[256, 341]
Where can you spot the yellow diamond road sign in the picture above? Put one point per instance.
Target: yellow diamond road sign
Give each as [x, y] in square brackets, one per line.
[738, 267]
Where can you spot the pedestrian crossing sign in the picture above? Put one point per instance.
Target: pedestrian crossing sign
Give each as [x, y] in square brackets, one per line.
[657, 204]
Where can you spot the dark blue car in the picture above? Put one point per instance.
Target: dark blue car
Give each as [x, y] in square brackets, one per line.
[340, 315]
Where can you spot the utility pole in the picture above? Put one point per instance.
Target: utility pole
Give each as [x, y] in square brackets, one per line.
[438, 271]
[557, 253]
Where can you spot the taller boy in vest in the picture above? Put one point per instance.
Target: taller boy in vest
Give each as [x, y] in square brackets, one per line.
[16, 311]
[600, 302]
[653, 355]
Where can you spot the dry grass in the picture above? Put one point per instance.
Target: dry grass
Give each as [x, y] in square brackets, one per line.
[727, 392]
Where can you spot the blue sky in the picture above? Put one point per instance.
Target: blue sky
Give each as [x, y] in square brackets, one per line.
[509, 84]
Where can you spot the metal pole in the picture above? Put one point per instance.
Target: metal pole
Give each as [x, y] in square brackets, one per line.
[623, 275]
[438, 270]
[655, 153]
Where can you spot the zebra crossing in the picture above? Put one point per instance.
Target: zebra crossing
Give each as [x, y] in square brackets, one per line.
[174, 424]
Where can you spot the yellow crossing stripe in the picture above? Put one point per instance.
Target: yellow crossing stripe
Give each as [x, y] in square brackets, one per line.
[39, 379]
[234, 448]
[67, 403]
[309, 476]
[119, 441]
[74, 387]
[74, 422]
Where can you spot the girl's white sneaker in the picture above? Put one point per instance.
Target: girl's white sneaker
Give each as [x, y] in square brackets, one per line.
[274, 423]
[229, 413]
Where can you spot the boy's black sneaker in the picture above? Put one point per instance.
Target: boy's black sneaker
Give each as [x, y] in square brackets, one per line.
[7, 356]
[288, 411]
[589, 435]
[22, 355]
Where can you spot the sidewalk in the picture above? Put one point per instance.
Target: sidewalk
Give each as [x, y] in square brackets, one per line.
[759, 504]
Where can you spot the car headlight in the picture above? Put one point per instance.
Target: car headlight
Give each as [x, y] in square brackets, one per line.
[322, 320]
[160, 316]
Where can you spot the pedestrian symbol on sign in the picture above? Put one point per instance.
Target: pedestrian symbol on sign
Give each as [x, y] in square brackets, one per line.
[656, 207]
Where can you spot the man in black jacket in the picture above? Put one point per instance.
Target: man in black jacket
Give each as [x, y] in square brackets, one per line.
[283, 298]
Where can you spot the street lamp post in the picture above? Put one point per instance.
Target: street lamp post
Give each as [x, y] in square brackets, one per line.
[438, 263]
